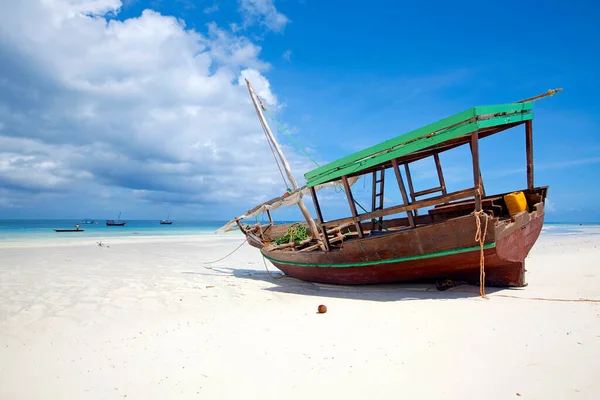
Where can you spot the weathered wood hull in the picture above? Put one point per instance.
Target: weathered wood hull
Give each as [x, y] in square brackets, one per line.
[443, 250]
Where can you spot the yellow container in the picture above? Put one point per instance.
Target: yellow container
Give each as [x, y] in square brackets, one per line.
[516, 202]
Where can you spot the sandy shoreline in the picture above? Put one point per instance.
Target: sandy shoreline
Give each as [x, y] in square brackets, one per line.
[144, 319]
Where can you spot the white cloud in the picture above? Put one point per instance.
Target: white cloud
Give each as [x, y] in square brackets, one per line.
[211, 9]
[90, 104]
[263, 12]
[287, 55]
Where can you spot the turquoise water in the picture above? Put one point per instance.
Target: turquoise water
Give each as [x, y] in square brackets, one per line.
[16, 230]
[42, 229]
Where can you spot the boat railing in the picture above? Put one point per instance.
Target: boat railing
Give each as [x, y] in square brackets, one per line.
[462, 194]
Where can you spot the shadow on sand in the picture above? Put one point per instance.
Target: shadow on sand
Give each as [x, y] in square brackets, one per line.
[380, 292]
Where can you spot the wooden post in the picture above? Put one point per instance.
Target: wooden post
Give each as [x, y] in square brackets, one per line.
[438, 166]
[374, 198]
[411, 220]
[352, 207]
[313, 193]
[312, 227]
[270, 217]
[476, 172]
[480, 178]
[529, 149]
[410, 186]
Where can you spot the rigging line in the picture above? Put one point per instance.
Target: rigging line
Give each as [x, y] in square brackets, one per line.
[282, 128]
[273, 152]
[269, 272]
[222, 258]
[277, 162]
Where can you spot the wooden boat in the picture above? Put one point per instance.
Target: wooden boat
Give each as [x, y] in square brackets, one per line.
[70, 230]
[466, 235]
[117, 222]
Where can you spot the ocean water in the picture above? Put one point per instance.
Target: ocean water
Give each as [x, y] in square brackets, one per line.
[23, 230]
[18, 230]
[562, 228]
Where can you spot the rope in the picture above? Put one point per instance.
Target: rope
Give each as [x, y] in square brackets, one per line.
[526, 298]
[282, 128]
[549, 299]
[269, 272]
[295, 233]
[480, 237]
[222, 258]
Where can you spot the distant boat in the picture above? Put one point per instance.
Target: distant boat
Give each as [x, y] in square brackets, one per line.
[166, 221]
[70, 230]
[88, 221]
[117, 222]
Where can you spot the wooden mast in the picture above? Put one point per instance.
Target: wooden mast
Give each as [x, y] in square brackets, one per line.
[312, 227]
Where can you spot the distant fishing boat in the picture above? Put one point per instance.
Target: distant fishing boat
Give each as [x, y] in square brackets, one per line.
[70, 230]
[88, 221]
[166, 221]
[117, 222]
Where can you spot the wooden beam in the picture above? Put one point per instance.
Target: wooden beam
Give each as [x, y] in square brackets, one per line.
[270, 217]
[462, 194]
[429, 191]
[529, 150]
[411, 189]
[374, 197]
[480, 177]
[476, 171]
[352, 207]
[411, 220]
[313, 193]
[438, 166]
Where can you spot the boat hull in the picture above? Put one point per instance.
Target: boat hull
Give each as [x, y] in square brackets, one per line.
[445, 250]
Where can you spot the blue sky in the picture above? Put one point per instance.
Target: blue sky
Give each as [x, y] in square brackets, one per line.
[106, 106]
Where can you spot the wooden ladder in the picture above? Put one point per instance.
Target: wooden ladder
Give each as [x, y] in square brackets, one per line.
[377, 200]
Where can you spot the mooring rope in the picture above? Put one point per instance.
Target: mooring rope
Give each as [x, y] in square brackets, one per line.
[480, 237]
[222, 258]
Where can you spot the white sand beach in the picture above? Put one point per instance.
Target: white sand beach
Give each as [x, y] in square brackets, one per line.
[144, 319]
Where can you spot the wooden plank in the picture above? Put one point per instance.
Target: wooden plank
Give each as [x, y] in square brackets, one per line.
[529, 150]
[313, 193]
[356, 221]
[270, 217]
[438, 166]
[429, 191]
[402, 208]
[374, 197]
[410, 186]
[409, 214]
[476, 173]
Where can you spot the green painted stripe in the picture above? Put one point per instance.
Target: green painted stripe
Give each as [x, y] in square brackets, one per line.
[389, 261]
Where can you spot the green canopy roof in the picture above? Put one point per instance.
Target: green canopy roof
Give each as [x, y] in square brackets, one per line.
[446, 132]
